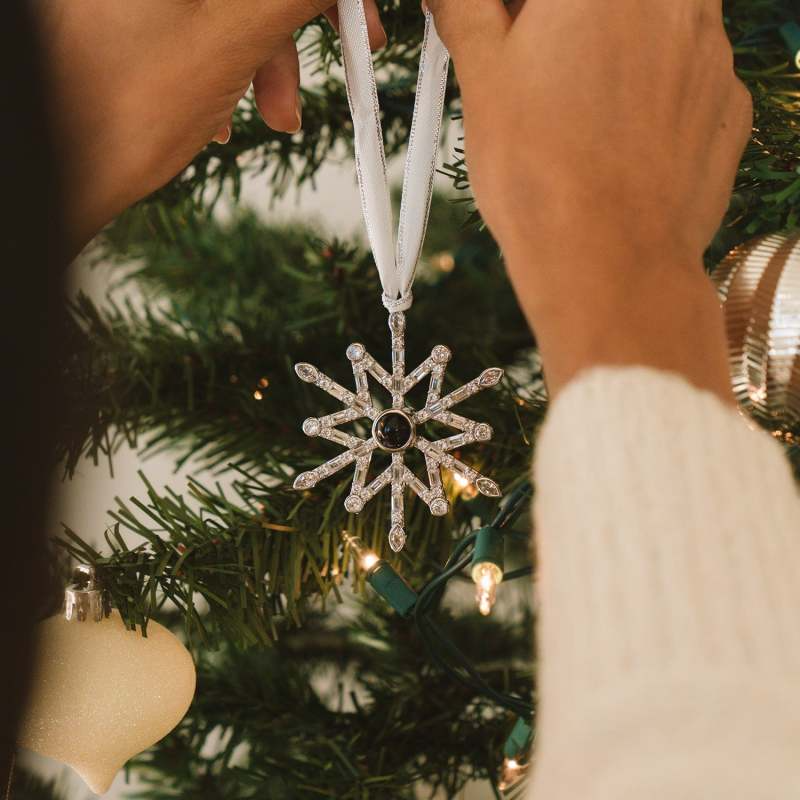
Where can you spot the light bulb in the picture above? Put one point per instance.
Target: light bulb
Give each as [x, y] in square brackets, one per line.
[486, 576]
[367, 558]
[512, 773]
[368, 561]
[464, 488]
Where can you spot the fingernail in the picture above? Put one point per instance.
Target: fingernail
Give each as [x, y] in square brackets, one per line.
[298, 110]
[224, 136]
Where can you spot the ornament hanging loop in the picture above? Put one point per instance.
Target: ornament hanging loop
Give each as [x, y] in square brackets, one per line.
[85, 599]
[399, 304]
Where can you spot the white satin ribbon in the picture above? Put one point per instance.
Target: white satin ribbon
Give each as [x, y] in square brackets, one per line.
[396, 262]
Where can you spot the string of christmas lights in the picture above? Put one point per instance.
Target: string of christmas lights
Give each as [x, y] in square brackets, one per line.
[482, 553]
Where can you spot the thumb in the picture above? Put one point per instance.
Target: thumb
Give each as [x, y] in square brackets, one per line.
[470, 29]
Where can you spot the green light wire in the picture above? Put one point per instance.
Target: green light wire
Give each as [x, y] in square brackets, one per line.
[442, 650]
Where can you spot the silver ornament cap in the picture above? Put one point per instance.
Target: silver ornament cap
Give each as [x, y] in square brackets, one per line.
[85, 599]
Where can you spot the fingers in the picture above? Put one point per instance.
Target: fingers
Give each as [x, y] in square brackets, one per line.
[276, 87]
[514, 7]
[276, 84]
[743, 103]
[470, 29]
[375, 30]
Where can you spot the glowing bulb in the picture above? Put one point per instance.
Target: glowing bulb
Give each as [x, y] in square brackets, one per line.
[368, 561]
[486, 576]
[463, 487]
[512, 773]
[444, 261]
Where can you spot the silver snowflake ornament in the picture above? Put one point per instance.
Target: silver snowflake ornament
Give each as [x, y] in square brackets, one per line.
[395, 430]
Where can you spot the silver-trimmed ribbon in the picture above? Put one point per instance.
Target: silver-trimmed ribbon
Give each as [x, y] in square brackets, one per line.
[396, 262]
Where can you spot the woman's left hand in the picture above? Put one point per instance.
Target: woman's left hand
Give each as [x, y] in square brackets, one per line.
[140, 88]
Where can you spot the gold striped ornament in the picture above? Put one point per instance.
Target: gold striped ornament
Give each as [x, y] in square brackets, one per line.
[759, 283]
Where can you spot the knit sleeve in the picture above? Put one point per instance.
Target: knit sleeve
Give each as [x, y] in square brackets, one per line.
[668, 542]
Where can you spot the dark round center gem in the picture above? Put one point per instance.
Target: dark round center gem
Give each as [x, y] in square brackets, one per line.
[393, 430]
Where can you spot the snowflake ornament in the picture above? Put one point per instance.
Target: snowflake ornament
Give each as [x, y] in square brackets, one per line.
[395, 430]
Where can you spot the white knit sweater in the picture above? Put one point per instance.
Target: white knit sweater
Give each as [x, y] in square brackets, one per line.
[668, 536]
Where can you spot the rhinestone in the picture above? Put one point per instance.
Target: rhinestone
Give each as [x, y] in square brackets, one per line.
[439, 507]
[335, 435]
[456, 441]
[356, 352]
[462, 393]
[441, 354]
[305, 480]
[397, 538]
[353, 503]
[416, 484]
[311, 427]
[306, 372]
[482, 432]
[361, 405]
[397, 323]
[393, 431]
[490, 377]
[488, 487]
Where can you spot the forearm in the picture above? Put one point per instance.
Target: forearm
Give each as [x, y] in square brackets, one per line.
[665, 316]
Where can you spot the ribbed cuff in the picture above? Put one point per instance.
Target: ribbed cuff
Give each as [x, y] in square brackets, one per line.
[668, 536]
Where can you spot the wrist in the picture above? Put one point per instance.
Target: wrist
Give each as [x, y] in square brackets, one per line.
[662, 312]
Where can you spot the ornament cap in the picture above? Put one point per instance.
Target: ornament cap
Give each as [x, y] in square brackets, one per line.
[85, 599]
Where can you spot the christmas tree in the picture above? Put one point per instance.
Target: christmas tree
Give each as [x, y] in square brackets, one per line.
[294, 700]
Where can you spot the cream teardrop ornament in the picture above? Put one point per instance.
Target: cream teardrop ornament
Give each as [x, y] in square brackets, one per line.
[103, 693]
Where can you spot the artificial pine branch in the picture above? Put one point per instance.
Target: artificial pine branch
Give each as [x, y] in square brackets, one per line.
[210, 375]
[767, 195]
[349, 710]
[210, 372]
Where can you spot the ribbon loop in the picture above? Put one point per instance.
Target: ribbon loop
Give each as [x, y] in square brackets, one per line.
[396, 263]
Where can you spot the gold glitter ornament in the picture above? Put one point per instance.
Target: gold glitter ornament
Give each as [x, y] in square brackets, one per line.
[759, 284]
[103, 693]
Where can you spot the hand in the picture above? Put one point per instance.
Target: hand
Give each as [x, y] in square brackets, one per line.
[140, 88]
[602, 141]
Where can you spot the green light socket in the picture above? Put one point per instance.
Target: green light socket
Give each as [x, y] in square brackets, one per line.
[489, 548]
[791, 35]
[519, 741]
[392, 588]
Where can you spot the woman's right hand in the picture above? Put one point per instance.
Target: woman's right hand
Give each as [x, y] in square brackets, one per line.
[602, 141]
[140, 88]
